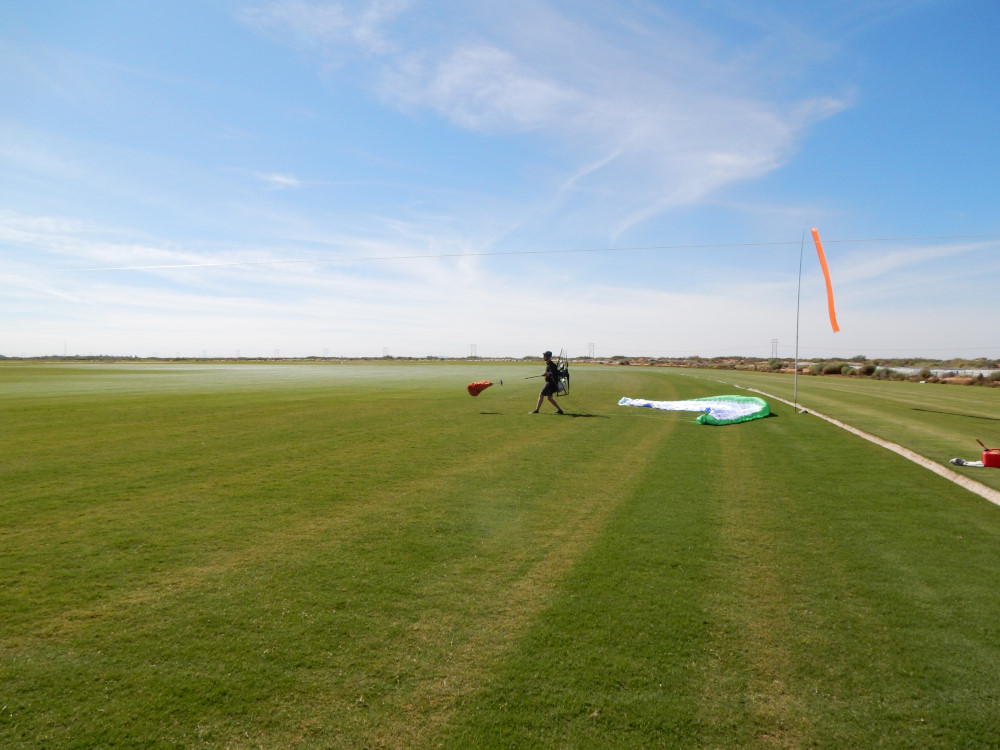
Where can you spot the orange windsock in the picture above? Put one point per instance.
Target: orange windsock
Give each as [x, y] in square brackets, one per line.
[826, 275]
[478, 387]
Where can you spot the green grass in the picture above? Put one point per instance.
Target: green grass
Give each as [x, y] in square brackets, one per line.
[364, 556]
[937, 421]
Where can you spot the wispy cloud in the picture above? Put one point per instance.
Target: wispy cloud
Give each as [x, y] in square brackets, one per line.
[451, 127]
[435, 305]
[865, 265]
[324, 28]
[279, 181]
[656, 121]
[481, 87]
[50, 242]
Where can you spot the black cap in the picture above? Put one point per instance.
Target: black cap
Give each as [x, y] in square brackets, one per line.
[546, 354]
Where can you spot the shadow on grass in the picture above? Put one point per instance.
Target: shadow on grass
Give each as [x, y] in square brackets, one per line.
[958, 414]
[552, 414]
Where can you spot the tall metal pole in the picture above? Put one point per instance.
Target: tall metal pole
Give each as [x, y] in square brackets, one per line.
[798, 305]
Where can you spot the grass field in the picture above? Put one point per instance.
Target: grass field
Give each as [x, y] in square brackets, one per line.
[364, 556]
[937, 421]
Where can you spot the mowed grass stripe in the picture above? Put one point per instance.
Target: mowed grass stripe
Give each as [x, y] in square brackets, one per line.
[282, 468]
[494, 610]
[938, 421]
[119, 449]
[766, 606]
[404, 508]
[614, 660]
[835, 586]
[402, 565]
[477, 607]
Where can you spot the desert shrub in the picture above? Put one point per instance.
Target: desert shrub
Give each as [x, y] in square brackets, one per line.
[867, 369]
[848, 370]
[925, 373]
[833, 368]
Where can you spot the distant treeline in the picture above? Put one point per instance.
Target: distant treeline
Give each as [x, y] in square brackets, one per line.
[980, 371]
[983, 371]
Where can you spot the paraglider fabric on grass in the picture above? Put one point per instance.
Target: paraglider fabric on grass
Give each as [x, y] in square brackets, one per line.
[716, 410]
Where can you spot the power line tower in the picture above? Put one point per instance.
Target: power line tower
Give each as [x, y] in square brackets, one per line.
[590, 350]
[774, 348]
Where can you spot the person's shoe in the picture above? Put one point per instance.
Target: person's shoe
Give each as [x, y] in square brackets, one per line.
[957, 461]
[560, 411]
[533, 412]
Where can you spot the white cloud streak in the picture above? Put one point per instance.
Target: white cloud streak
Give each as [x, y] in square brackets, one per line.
[614, 116]
[280, 181]
[661, 122]
[321, 28]
[441, 306]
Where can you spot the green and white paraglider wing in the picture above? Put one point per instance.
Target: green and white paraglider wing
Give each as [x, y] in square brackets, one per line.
[715, 410]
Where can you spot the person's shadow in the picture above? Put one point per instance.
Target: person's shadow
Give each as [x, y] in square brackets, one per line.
[553, 414]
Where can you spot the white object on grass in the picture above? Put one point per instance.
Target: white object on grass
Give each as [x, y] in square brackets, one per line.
[716, 410]
[963, 462]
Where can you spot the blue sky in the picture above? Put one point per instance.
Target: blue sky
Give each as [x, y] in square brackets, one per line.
[420, 178]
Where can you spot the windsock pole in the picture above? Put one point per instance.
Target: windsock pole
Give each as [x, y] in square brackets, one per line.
[798, 306]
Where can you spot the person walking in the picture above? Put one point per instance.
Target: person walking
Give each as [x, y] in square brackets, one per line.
[551, 386]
